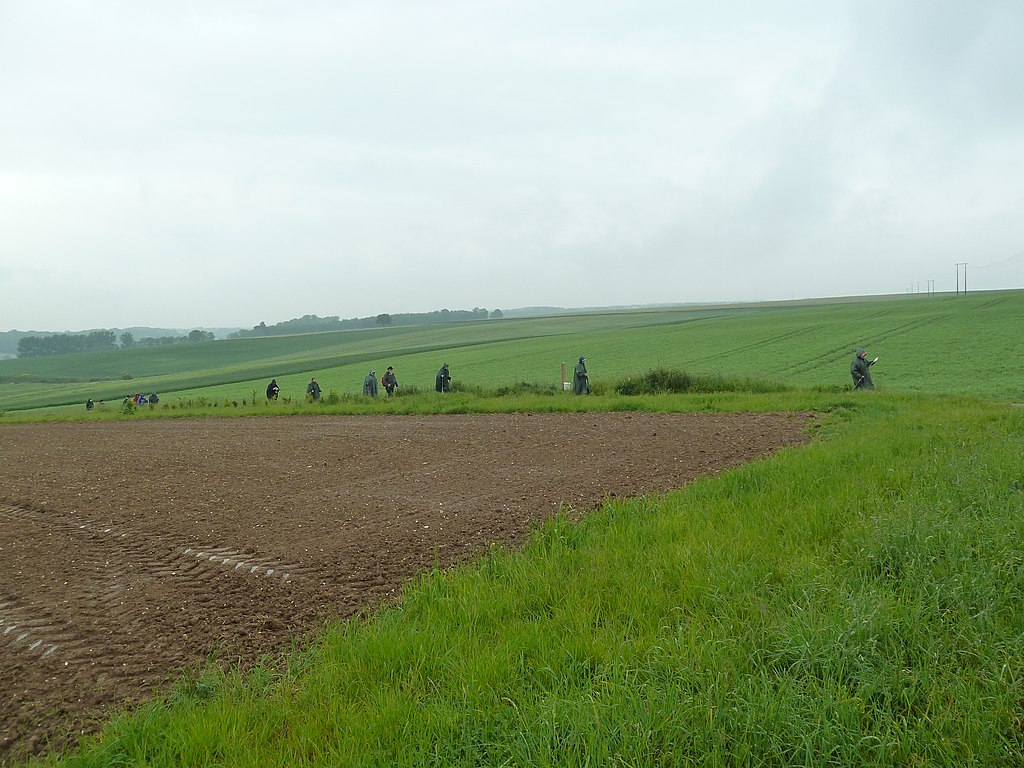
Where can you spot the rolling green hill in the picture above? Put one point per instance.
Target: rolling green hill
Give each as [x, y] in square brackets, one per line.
[942, 344]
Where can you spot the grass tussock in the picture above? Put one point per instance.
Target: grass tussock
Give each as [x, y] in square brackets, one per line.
[674, 381]
[854, 602]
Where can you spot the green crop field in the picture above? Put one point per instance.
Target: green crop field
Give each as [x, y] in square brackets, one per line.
[939, 344]
[853, 602]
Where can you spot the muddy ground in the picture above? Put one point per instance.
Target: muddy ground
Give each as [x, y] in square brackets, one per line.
[130, 552]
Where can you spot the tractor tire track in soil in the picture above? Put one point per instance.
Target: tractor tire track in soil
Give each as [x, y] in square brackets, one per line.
[133, 552]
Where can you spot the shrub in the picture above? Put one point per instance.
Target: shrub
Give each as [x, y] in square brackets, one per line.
[407, 389]
[656, 381]
[527, 388]
[666, 380]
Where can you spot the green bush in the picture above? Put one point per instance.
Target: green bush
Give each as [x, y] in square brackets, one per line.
[667, 380]
[526, 388]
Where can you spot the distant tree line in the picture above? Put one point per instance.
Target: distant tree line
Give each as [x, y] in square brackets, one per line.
[315, 324]
[65, 343]
[96, 341]
[128, 339]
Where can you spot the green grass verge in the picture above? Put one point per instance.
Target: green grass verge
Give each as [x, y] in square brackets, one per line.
[854, 602]
[662, 390]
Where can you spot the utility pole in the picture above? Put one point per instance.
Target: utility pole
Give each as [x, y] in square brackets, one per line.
[958, 265]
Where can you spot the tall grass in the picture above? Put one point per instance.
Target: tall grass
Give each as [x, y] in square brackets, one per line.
[669, 380]
[661, 390]
[854, 602]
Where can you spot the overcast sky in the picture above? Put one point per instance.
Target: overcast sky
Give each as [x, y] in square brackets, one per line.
[224, 163]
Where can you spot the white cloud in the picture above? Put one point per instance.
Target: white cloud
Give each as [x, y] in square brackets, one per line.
[266, 160]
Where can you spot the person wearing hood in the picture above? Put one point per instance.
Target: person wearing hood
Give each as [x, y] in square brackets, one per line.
[370, 384]
[860, 369]
[580, 379]
[313, 390]
[272, 390]
[443, 380]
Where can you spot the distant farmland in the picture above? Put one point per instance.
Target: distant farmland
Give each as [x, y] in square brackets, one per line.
[939, 344]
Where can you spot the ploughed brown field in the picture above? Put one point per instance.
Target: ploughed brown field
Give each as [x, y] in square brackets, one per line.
[131, 552]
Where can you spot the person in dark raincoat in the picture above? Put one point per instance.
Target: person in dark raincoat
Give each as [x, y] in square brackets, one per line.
[389, 381]
[580, 379]
[860, 369]
[313, 390]
[370, 384]
[443, 381]
[272, 390]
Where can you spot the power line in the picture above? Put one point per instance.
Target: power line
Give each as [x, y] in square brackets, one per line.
[1017, 257]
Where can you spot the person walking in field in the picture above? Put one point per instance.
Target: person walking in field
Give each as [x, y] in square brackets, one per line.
[389, 381]
[272, 390]
[313, 390]
[860, 369]
[580, 378]
[443, 380]
[370, 384]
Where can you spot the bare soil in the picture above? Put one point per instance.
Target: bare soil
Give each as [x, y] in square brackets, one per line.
[133, 552]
